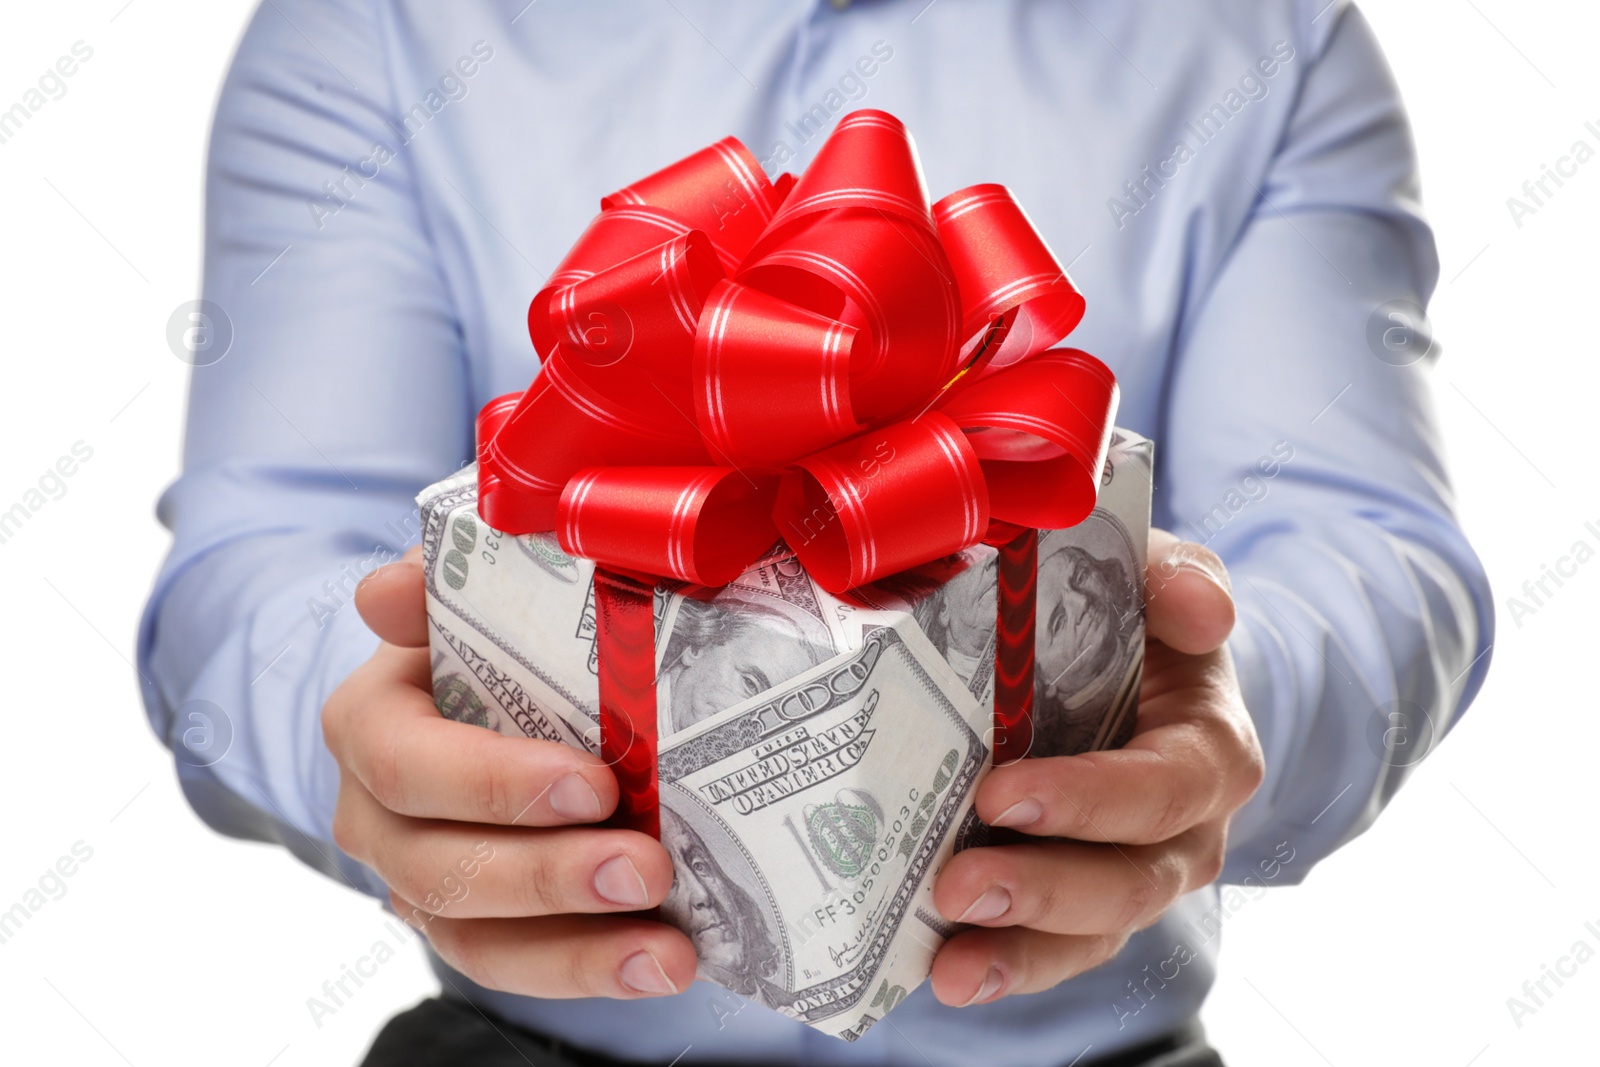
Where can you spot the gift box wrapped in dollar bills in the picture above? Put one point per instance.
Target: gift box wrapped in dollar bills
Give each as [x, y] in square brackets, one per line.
[801, 526]
[817, 753]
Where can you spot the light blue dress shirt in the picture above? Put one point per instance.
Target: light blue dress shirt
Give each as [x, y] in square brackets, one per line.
[1232, 183]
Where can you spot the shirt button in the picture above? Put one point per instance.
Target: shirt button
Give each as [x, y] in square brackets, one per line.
[839, 5]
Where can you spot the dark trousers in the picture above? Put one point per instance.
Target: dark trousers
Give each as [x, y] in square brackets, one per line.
[446, 1032]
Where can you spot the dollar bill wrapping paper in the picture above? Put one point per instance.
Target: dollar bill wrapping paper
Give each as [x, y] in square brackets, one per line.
[818, 754]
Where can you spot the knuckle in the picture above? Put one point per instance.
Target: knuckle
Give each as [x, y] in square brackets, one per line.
[1084, 817]
[384, 778]
[1176, 814]
[1253, 770]
[1045, 902]
[1159, 884]
[403, 877]
[333, 721]
[538, 890]
[491, 795]
[1136, 904]
[582, 971]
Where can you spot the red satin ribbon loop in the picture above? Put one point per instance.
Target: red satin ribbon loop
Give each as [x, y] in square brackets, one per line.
[869, 161]
[1041, 430]
[720, 190]
[1002, 263]
[830, 358]
[845, 511]
[888, 278]
[772, 380]
[632, 325]
[698, 524]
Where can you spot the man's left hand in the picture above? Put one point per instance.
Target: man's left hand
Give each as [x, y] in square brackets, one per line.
[1147, 823]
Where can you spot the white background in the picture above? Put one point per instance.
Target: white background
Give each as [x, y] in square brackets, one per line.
[174, 946]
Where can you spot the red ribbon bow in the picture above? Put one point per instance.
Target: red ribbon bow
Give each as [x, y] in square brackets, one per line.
[727, 360]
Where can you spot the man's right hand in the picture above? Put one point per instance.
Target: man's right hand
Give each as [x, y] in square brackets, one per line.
[483, 839]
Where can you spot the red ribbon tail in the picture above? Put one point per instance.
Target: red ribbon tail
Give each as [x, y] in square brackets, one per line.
[1013, 650]
[626, 639]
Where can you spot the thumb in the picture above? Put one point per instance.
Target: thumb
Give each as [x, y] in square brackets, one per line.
[391, 601]
[1188, 597]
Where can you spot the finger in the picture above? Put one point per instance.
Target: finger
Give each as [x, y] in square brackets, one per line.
[1170, 778]
[1188, 597]
[391, 601]
[470, 872]
[382, 725]
[1071, 888]
[562, 956]
[978, 966]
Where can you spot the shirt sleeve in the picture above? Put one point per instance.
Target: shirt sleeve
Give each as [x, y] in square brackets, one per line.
[342, 391]
[1299, 444]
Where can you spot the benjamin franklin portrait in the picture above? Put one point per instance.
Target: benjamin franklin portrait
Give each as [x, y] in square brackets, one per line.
[735, 646]
[952, 601]
[1088, 635]
[717, 900]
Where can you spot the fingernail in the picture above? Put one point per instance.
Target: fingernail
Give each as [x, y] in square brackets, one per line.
[643, 974]
[619, 881]
[991, 986]
[1203, 566]
[993, 904]
[1024, 812]
[575, 800]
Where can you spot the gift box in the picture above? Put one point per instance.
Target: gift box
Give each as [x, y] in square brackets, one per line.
[817, 754]
[802, 527]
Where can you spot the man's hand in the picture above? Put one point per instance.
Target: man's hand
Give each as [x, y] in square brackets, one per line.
[1147, 823]
[481, 838]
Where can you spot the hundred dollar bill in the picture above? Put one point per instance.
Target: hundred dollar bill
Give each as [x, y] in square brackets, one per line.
[1089, 621]
[953, 602]
[806, 826]
[511, 623]
[720, 647]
